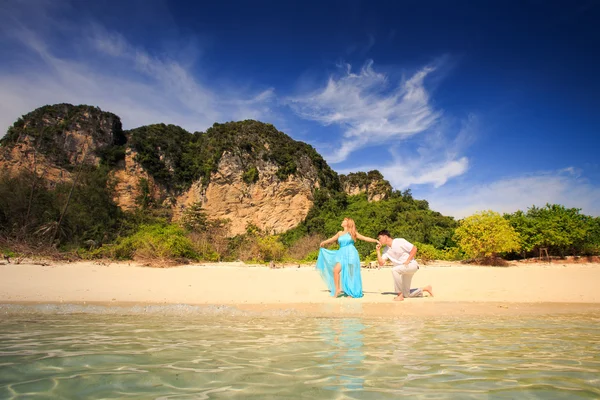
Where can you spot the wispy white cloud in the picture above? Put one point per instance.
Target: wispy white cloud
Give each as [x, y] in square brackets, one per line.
[434, 174]
[403, 173]
[434, 160]
[564, 187]
[370, 109]
[101, 67]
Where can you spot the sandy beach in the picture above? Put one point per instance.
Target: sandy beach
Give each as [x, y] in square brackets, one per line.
[458, 289]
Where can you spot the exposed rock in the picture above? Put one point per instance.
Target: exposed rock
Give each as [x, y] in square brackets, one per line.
[247, 172]
[371, 183]
[24, 157]
[127, 178]
[52, 140]
[270, 204]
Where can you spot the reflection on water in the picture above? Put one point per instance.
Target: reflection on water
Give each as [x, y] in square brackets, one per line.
[345, 340]
[219, 354]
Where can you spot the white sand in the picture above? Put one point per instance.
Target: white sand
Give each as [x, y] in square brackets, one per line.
[543, 287]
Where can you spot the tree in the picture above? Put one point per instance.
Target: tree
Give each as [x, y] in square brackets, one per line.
[485, 234]
[553, 226]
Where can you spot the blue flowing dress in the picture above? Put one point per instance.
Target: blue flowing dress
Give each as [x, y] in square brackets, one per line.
[347, 256]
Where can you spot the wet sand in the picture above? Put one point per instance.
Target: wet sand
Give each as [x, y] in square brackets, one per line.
[458, 289]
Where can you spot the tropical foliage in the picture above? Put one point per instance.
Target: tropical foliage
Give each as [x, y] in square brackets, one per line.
[372, 181]
[402, 215]
[155, 242]
[45, 127]
[83, 214]
[80, 214]
[486, 234]
[562, 231]
[176, 158]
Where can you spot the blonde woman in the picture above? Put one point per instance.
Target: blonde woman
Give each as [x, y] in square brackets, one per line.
[340, 269]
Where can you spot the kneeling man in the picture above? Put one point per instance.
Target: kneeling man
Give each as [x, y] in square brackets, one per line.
[402, 254]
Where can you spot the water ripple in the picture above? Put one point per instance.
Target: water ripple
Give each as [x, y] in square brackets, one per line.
[220, 354]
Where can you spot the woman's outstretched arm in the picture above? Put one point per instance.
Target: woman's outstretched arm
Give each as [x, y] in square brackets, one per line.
[330, 240]
[366, 238]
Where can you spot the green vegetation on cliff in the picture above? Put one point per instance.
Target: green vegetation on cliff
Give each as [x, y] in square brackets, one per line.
[45, 128]
[177, 158]
[30, 210]
[165, 151]
[372, 181]
[81, 213]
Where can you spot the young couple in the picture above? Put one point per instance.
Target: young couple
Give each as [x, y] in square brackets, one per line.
[340, 269]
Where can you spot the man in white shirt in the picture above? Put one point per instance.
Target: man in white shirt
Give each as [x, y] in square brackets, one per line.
[402, 254]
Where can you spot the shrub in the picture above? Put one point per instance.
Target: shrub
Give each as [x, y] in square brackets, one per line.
[304, 247]
[203, 245]
[270, 249]
[257, 247]
[250, 176]
[426, 253]
[485, 234]
[311, 257]
[453, 254]
[158, 241]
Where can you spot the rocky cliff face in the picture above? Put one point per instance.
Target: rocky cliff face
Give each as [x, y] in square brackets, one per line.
[23, 157]
[53, 140]
[128, 177]
[246, 172]
[371, 183]
[271, 204]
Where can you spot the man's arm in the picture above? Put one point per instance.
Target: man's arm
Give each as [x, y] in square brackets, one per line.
[380, 259]
[411, 255]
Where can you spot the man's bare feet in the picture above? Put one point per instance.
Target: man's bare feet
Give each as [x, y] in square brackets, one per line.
[429, 290]
[399, 298]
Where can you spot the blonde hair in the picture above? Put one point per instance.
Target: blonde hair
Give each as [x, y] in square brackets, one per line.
[351, 227]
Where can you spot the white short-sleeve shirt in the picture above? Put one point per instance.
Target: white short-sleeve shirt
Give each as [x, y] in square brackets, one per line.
[398, 252]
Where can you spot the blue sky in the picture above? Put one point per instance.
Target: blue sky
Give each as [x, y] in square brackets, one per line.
[471, 105]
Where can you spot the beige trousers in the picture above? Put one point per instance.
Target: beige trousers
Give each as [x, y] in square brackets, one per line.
[403, 275]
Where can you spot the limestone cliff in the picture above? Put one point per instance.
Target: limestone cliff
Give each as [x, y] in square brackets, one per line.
[371, 183]
[53, 140]
[250, 173]
[271, 204]
[131, 181]
[247, 172]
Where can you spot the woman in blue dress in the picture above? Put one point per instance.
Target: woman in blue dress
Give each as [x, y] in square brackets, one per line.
[340, 269]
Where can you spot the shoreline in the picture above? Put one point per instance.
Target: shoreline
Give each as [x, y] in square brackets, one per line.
[459, 290]
[317, 310]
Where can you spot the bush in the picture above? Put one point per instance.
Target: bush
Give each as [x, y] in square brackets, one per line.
[485, 234]
[250, 176]
[254, 246]
[426, 253]
[270, 249]
[304, 247]
[453, 254]
[204, 247]
[311, 257]
[158, 241]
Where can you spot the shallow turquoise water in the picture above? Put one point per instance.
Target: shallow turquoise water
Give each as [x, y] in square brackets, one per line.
[181, 353]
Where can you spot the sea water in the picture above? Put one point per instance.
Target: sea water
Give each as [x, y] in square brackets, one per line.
[183, 352]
